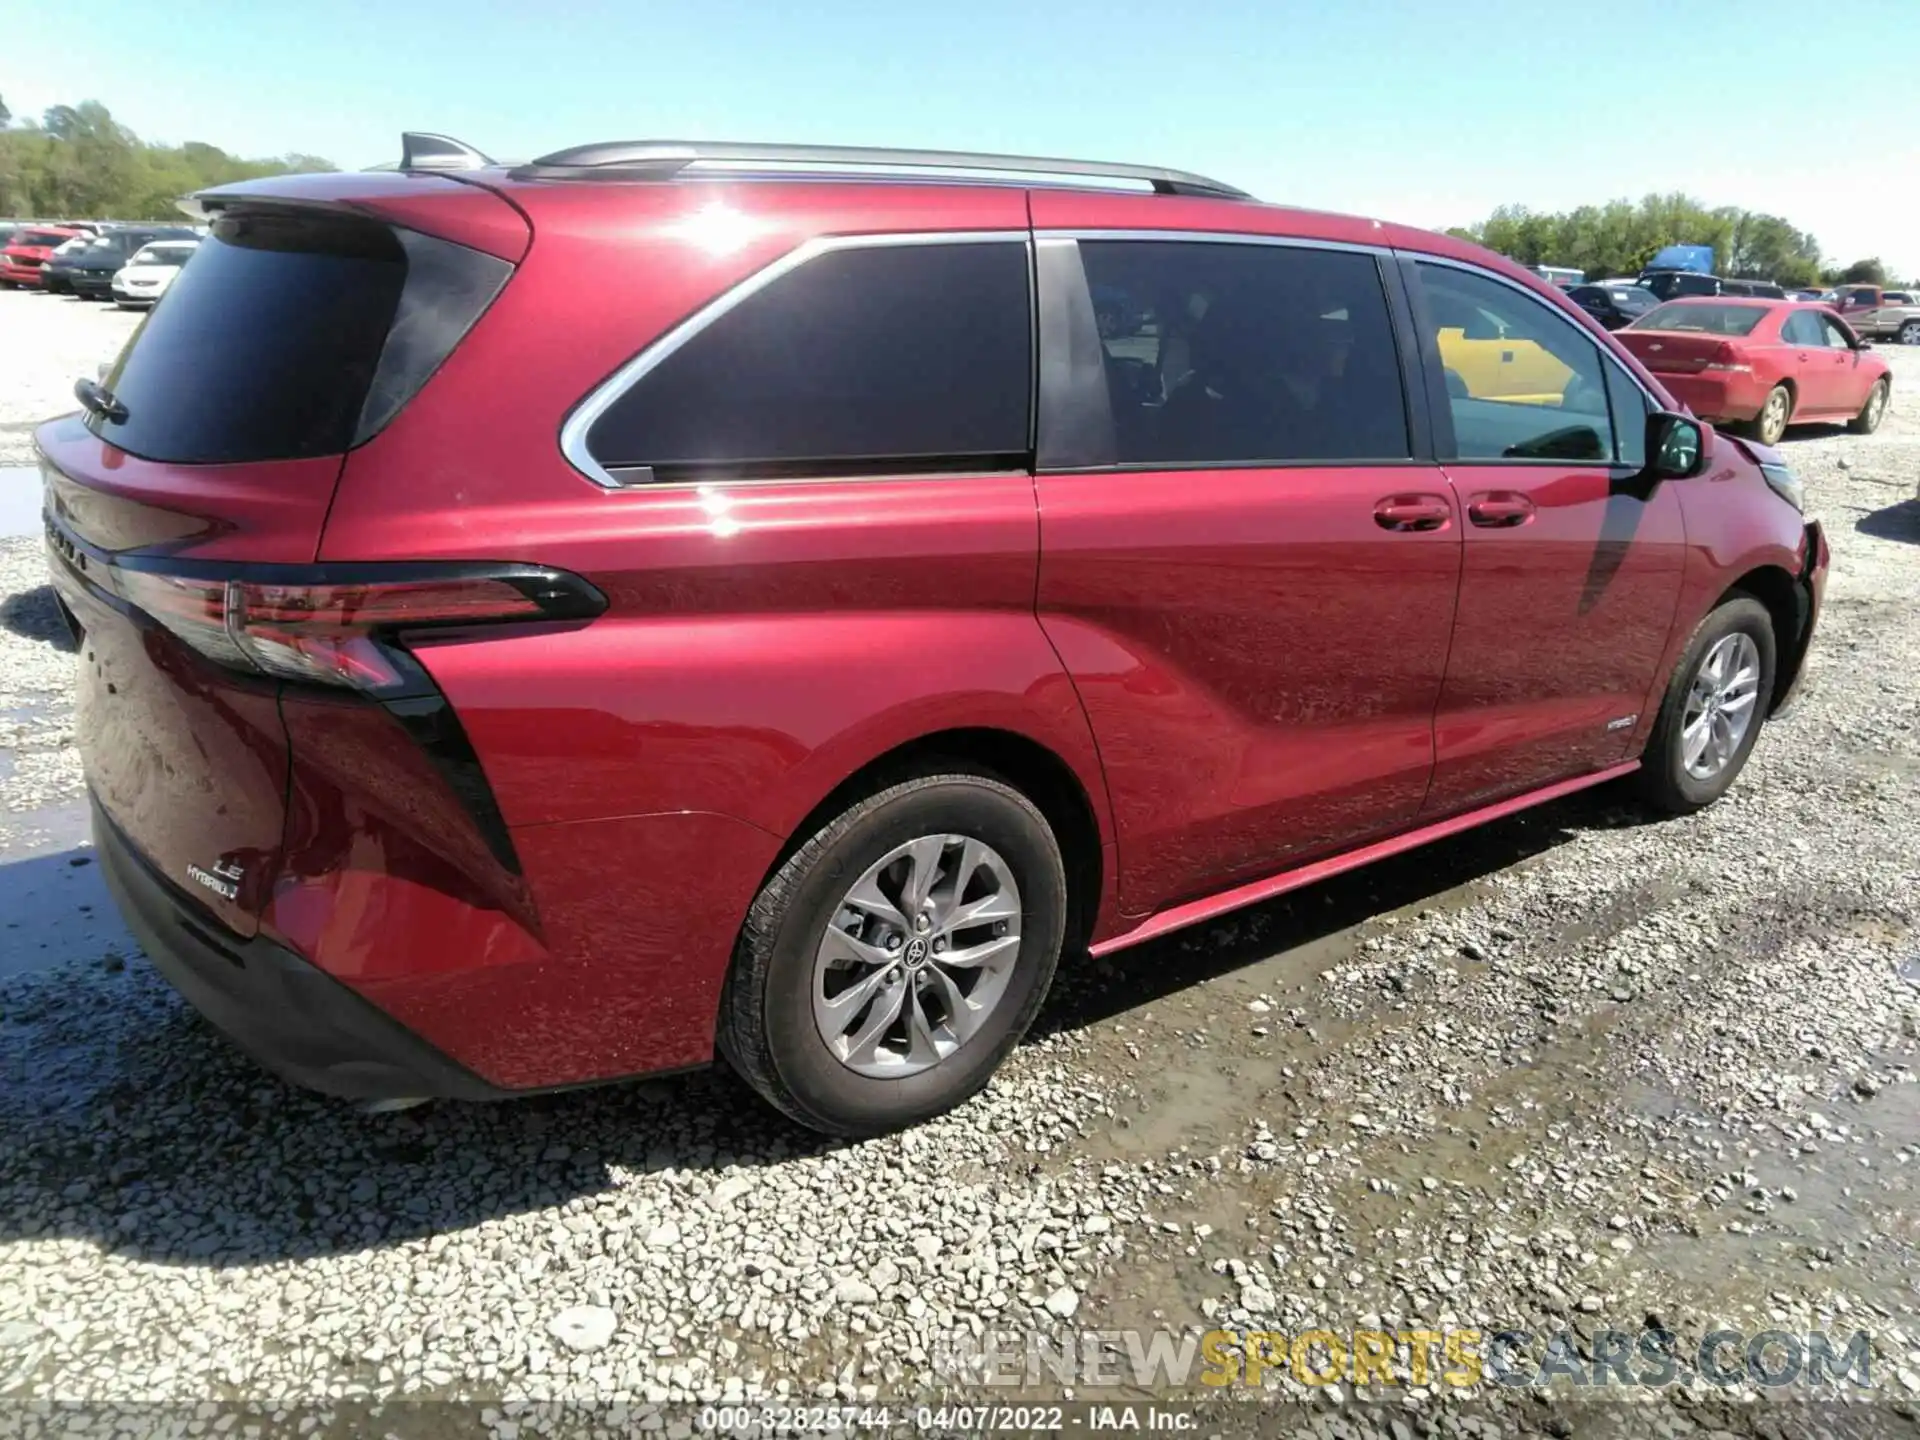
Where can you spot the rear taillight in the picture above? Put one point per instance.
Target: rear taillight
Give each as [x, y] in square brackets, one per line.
[1729, 358]
[337, 625]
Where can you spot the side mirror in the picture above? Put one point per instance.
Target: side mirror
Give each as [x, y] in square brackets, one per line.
[1676, 446]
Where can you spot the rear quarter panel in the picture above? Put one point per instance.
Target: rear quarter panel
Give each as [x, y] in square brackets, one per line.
[764, 640]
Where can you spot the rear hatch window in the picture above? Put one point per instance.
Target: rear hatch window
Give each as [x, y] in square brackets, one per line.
[290, 335]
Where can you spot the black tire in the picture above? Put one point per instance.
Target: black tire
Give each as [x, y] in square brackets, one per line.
[767, 1029]
[1873, 412]
[1771, 423]
[1663, 779]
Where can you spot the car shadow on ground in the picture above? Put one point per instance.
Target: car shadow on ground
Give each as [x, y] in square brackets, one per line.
[1898, 521]
[35, 615]
[1099, 990]
[127, 1122]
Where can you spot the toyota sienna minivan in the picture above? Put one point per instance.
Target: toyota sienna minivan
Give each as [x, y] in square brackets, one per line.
[549, 623]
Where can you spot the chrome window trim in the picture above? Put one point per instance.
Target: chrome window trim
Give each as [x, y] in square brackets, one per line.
[1220, 237]
[574, 431]
[1420, 257]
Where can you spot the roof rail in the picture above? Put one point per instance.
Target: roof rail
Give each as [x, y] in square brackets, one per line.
[665, 159]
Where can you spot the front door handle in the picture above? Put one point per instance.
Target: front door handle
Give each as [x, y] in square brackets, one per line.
[1499, 509]
[1413, 512]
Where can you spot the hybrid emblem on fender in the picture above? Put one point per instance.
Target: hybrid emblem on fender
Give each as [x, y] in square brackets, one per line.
[224, 879]
[1622, 723]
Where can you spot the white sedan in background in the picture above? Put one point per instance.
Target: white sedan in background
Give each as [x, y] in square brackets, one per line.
[146, 276]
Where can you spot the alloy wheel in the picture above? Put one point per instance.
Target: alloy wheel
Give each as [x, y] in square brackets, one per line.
[1773, 419]
[917, 955]
[1720, 706]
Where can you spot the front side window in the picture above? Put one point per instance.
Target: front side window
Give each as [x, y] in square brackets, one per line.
[1523, 382]
[1835, 334]
[883, 357]
[1224, 353]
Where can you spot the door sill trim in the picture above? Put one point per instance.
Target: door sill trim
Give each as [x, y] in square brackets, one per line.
[1178, 917]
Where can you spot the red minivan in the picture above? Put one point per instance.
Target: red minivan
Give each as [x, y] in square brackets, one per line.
[552, 623]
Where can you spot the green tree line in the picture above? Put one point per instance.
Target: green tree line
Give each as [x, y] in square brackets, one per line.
[76, 162]
[1620, 237]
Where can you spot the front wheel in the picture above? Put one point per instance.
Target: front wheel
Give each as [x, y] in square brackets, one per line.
[1771, 423]
[1711, 714]
[891, 964]
[1871, 413]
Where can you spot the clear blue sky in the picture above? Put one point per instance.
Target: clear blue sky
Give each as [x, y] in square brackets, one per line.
[1417, 110]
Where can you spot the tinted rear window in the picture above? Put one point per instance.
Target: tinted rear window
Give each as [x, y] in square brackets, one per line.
[263, 347]
[1707, 319]
[903, 357]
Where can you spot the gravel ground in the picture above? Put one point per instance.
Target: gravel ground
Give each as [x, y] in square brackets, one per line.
[1573, 1071]
[46, 343]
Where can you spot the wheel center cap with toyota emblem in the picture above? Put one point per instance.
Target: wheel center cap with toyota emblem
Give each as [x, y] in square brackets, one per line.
[916, 955]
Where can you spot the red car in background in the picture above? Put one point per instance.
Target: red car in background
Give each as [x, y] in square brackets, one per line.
[1762, 364]
[23, 262]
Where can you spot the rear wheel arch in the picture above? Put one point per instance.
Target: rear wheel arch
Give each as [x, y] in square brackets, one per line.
[1036, 771]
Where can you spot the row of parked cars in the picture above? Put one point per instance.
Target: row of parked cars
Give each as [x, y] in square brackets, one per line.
[1870, 310]
[131, 264]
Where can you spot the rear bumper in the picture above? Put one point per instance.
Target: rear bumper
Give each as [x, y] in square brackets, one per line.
[293, 1018]
[1716, 397]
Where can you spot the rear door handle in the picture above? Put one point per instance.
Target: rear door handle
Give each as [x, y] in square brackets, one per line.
[1499, 509]
[1413, 512]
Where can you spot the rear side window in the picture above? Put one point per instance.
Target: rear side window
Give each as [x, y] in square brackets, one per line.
[870, 358]
[1221, 353]
[288, 336]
